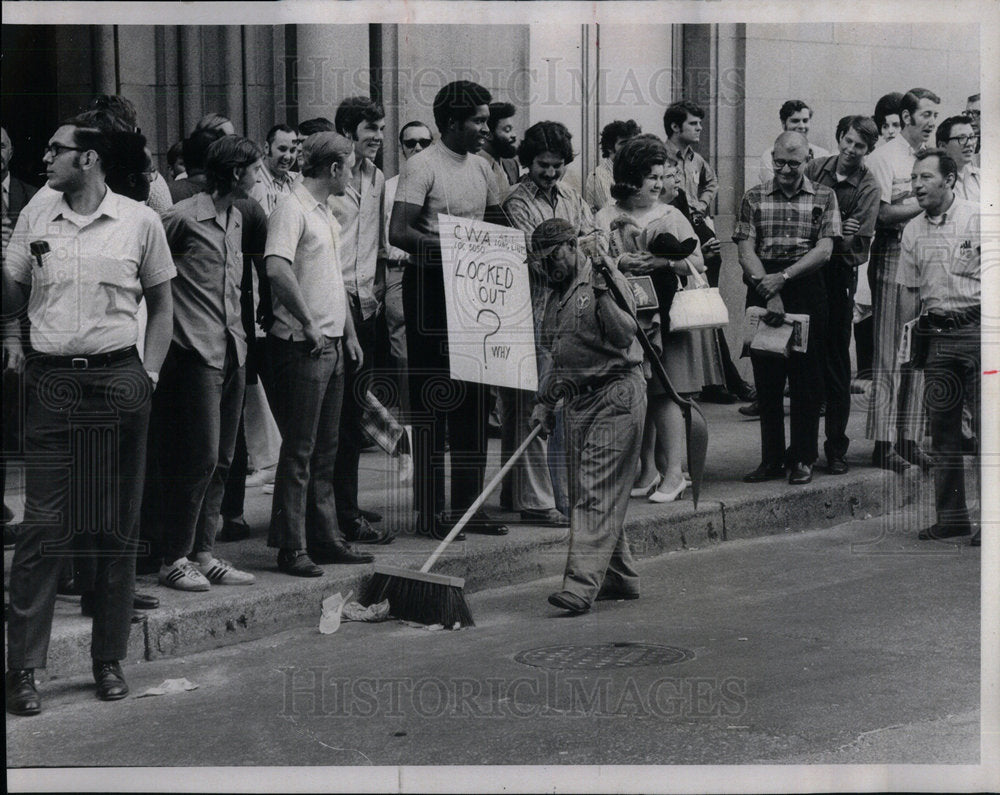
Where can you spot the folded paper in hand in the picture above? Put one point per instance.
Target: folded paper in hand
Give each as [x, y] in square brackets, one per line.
[792, 336]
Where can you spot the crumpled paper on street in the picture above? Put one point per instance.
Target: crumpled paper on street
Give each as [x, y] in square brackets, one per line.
[333, 606]
[355, 611]
[169, 687]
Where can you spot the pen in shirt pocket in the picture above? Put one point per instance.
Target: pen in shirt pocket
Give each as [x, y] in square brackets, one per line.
[39, 248]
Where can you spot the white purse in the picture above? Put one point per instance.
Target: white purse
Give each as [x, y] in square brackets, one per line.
[697, 306]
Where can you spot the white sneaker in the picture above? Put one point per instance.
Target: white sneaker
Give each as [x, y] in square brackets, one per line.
[221, 572]
[262, 477]
[183, 576]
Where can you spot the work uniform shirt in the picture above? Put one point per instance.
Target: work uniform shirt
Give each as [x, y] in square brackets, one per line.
[271, 187]
[207, 252]
[597, 189]
[85, 295]
[766, 168]
[858, 198]
[303, 231]
[785, 229]
[940, 257]
[698, 177]
[362, 237]
[439, 180]
[892, 166]
[573, 331]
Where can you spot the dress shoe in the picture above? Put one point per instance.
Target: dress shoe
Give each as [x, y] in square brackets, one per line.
[716, 393]
[836, 466]
[885, 457]
[938, 532]
[753, 410]
[484, 524]
[746, 392]
[568, 601]
[970, 445]
[22, 697]
[371, 516]
[10, 535]
[233, 530]
[66, 586]
[110, 680]
[360, 531]
[545, 518]
[913, 453]
[977, 539]
[339, 552]
[438, 529]
[649, 488]
[765, 472]
[607, 593]
[669, 495]
[297, 563]
[800, 474]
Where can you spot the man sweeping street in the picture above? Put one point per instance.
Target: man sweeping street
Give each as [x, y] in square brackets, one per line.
[597, 373]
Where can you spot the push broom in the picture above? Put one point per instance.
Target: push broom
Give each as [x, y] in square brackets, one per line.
[425, 597]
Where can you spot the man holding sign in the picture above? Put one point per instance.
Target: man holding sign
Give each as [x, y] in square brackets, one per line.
[444, 178]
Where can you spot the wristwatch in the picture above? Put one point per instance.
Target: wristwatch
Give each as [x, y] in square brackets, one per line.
[785, 276]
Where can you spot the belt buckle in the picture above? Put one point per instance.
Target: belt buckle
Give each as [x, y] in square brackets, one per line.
[79, 363]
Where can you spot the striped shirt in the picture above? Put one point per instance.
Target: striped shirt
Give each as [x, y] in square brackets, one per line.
[786, 229]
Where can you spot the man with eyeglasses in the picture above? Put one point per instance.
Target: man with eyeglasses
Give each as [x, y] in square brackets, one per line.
[85, 256]
[785, 234]
[957, 136]
[895, 408]
[415, 136]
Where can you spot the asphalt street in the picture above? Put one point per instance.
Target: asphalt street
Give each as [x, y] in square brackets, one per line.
[856, 644]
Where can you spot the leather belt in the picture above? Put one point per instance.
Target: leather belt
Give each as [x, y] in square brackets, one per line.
[951, 321]
[608, 378]
[87, 362]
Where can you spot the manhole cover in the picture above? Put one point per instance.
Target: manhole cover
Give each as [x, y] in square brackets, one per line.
[607, 655]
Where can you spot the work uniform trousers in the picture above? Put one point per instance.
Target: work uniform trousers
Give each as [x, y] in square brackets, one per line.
[196, 416]
[357, 380]
[85, 454]
[442, 409]
[603, 435]
[951, 380]
[307, 397]
[841, 283]
[895, 409]
[803, 371]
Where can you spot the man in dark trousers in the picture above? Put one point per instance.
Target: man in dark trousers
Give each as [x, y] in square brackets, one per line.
[598, 373]
[85, 256]
[785, 232]
[857, 196]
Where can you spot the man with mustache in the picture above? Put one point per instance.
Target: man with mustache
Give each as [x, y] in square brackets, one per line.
[894, 409]
[277, 177]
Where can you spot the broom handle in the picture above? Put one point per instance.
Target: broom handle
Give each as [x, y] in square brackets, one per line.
[480, 500]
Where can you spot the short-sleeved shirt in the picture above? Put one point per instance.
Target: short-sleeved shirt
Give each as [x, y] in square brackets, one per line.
[858, 198]
[361, 236]
[271, 187]
[941, 257]
[892, 166]
[527, 206]
[85, 296]
[208, 255]
[597, 189]
[786, 229]
[699, 181]
[304, 232]
[766, 168]
[967, 186]
[392, 253]
[439, 180]
[573, 331]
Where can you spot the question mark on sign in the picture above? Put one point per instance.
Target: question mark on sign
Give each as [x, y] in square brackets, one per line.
[496, 317]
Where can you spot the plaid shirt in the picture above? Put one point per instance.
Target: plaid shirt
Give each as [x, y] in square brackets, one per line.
[786, 229]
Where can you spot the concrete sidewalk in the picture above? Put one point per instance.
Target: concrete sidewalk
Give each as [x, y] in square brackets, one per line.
[727, 509]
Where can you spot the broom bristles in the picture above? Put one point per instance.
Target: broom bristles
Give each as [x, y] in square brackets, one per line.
[423, 598]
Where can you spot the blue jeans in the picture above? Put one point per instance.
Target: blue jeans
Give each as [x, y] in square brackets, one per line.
[307, 399]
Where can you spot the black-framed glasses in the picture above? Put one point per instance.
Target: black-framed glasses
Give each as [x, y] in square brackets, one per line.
[963, 139]
[973, 113]
[409, 143]
[780, 164]
[57, 149]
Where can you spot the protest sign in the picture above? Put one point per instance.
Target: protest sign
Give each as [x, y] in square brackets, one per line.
[491, 337]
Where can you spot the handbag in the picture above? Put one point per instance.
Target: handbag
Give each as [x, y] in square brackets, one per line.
[697, 307]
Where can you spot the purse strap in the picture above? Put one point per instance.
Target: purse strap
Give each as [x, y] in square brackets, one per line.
[700, 281]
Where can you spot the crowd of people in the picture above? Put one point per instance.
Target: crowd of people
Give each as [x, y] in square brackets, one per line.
[170, 343]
